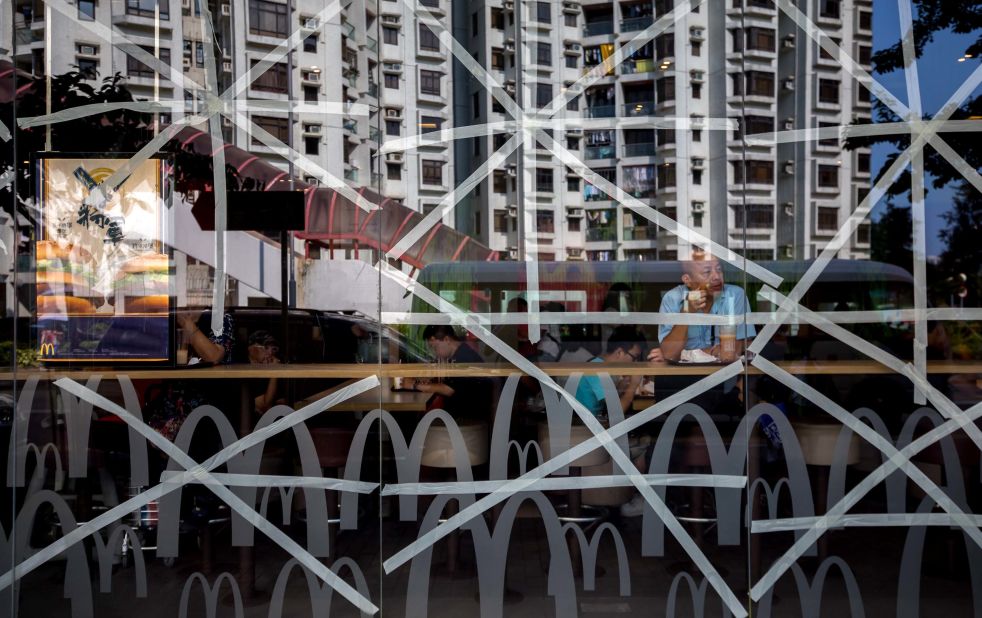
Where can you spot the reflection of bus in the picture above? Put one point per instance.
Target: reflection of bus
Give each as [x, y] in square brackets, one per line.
[638, 287]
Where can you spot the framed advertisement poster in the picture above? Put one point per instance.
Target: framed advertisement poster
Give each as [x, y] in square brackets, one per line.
[104, 274]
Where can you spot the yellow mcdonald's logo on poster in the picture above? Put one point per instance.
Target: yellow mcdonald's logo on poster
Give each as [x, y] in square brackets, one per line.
[47, 349]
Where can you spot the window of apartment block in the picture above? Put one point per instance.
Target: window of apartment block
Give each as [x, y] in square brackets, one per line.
[862, 162]
[390, 36]
[865, 54]
[863, 233]
[497, 19]
[476, 104]
[832, 141]
[391, 81]
[545, 221]
[736, 37]
[573, 224]
[497, 58]
[542, 13]
[696, 47]
[86, 10]
[393, 171]
[828, 91]
[665, 46]
[432, 172]
[570, 19]
[135, 68]
[543, 54]
[273, 80]
[830, 8]
[666, 175]
[665, 136]
[665, 89]
[697, 219]
[429, 82]
[393, 127]
[828, 175]
[500, 183]
[543, 179]
[268, 18]
[572, 143]
[573, 184]
[147, 8]
[757, 172]
[199, 54]
[758, 124]
[696, 90]
[88, 67]
[697, 177]
[828, 218]
[754, 216]
[760, 83]
[824, 54]
[761, 39]
[759, 255]
[429, 124]
[663, 6]
[310, 94]
[428, 41]
[277, 127]
[865, 20]
[500, 221]
[310, 43]
[311, 145]
[499, 140]
[543, 94]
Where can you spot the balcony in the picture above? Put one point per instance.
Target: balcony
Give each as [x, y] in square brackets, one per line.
[636, 23]
[645, 149]
[606, 151]
[600, 111]
[640, 65]
[373, 89]
[601, 234]
[639, 108]
[350, 57]
[598, 28]
[371, 44]
[641, 232]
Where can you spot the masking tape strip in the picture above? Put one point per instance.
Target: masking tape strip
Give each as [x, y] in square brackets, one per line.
[269, 480]
[566, 483]
[865, 520]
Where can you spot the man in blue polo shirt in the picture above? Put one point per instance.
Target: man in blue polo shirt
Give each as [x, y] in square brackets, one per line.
[625, 345]
[702, 291]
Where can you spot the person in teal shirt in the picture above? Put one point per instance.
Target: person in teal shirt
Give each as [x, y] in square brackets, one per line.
[625, 345]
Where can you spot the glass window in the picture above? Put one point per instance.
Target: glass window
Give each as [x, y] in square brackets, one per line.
[147, 8]
[828, 218]
[754, 216]
[277, 127]
[428, 40]
[391, 81]
[268, 18]
[760, 83]
[393, 127]
[828, 175]
[311, 145]
[762, 39]
[310, 43]
[429, 82]
[543, 54]
[135, 68]
[543, 94]
[86, 10]
[390, 35]
[432, 172]
[757, 172]
[828, 91]
[542, 13]
[393, 171]
[543, 179]
[830, 8]
[429, 124]
[273, 80]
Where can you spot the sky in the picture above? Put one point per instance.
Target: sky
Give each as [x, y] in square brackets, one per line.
[940, 75]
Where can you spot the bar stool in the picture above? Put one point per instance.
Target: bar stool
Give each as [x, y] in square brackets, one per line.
[333, 445]
[438, 452]
[574, 506]
[817, 438]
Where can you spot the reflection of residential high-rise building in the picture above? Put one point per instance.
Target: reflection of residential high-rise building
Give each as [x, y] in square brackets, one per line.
[755, 68]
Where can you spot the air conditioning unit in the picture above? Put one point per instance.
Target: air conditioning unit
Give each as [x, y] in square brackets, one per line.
[226, 9]
[226, 54]
[393, 157]
[227, 66]
[509, 5]
[311, 23]
[698, 163]
[787, 251]
[513, 211]
[88, 50]
[696, 33]
[186, 4]
[574, 48]
[789, 208]
[186, 62]
[789, 83]
[513, 254]
[310, 76]
[392, 67]
[789, 167]
[226, 121]
[788, 42]
[574, 132]
[789, 124]
[698, 207]
[392, 20]
[393, 112]
[512, 170]
[571, 7]
[697, 76]
[312, 129]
